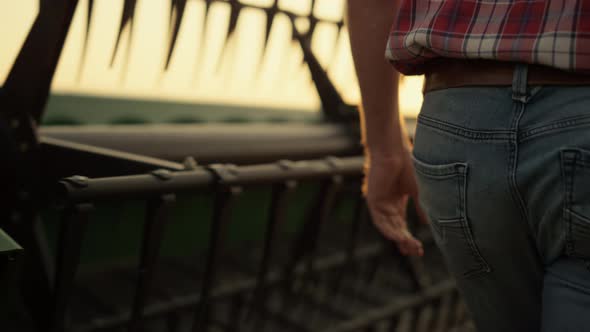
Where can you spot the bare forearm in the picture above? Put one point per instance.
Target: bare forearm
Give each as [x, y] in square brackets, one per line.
[389, 175]
[369, 23]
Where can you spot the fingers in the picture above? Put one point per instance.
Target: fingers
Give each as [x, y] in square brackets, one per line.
[394, 228]
[408, 244]
[387, 188]
[412, 186]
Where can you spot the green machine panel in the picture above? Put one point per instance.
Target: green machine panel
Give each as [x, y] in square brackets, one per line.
[7, 245]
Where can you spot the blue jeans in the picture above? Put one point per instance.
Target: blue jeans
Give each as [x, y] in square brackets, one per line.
[504, 177]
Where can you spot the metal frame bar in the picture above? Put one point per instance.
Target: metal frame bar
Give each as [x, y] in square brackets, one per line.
[396, 307]
[63, 158]
[226, 195]
[278, 208]
[36, 273]
[71, 237]
[157, 210]
[218, 143]
[189, 301]
[146, 185]
[228, 181]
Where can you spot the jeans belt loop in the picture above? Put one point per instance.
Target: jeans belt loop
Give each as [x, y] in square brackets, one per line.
[519, 83]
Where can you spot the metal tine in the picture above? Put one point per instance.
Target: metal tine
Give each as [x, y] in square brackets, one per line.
[340, 27]
[457, 310]
[360, 218]
[235, 313]
[372, 268]
[46, 36]
[305, 245]
[321, 210]
[313, 22]
[177, 8]
[280, 198]
[71, 233]
[340, 23]
[89, 13]
[235, 9]
[203, 47]
[99, 305]
[271, 14]
[361, 213]
[312, 16]
[157, 211]
[436, 316]
[415, 319]
[451, 307]
[421, 273]
[413, 266]
[126, 20]
[173, 322]
[221, 217]
[393, 323]
[329, 192]
[451, 303]
[329, 96]
[443, 312]
[283, 60]
[308, 34]
[427, 321]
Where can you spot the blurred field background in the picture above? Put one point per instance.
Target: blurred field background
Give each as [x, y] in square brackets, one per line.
[240, 80]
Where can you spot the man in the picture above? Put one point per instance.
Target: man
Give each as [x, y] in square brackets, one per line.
[501, 155]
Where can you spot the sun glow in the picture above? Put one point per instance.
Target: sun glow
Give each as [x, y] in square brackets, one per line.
[202, 70]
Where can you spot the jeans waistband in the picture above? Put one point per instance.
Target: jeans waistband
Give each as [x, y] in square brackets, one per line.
[452, 73]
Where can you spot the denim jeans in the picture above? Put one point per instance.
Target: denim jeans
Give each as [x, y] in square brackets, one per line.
[504, 177]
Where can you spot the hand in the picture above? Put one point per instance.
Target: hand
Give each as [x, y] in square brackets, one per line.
[389, 182]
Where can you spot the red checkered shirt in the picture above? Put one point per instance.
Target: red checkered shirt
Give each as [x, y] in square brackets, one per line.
[555, 33]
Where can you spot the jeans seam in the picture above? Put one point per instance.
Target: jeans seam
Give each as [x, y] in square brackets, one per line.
[578, 215]
[520, 99]
[513, 161]
[566, 197]
[573, 122]
[463, 132]
[568, 164]
[442, 171]
[468, 233]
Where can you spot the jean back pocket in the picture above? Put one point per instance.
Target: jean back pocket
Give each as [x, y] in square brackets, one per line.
[442, 192]
[575, 166]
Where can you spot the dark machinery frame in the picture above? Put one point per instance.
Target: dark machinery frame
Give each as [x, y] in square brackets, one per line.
[33, 165]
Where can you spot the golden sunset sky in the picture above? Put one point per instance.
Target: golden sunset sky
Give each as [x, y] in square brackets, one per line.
[281, 81]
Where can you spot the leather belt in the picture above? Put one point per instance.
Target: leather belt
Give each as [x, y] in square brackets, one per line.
[453, 73]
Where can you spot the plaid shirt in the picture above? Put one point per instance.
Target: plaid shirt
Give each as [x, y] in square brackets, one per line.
[555, 33]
